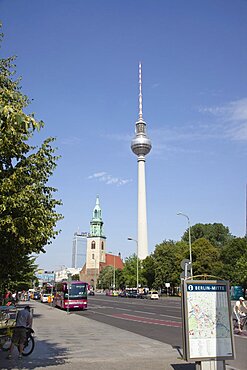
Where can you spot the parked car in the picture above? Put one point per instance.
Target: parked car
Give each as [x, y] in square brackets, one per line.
[36, 295]
[44, 297]
[122, 294]
[133, 293]
[153, 295]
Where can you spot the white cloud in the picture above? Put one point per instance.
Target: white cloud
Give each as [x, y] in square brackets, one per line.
[109, 179]
[232, 117]
[155, 85]
[73, 140]
[97, 174]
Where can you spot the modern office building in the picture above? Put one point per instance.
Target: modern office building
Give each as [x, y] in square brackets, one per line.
[79, 247]
[141, 146]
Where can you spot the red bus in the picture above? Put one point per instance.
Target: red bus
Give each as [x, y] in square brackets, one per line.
[70, 295]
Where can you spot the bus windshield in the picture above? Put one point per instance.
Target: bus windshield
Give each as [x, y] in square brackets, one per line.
[76, 290]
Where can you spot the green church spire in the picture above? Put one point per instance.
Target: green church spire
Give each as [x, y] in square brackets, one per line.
[96, 225]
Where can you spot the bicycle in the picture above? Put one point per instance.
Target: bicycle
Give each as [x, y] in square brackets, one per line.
[6, 332]
[5, 341]
[243, 322]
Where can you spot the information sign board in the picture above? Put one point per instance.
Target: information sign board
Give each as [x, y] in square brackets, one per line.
[207, 324]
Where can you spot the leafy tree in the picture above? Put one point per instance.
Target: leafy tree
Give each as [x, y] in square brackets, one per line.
[217, 234]
[27, 206]
[119, 279]
[148, 270]
[106, 277]
[24, 274]
[167, 259]
[129, 272]
[205, 258]
[234, 258]
[240, 275]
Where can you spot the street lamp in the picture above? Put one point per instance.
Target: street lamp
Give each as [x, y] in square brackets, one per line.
[137, 262]
[114, 271]
[69, 280]
[95, 275]
[182, 214]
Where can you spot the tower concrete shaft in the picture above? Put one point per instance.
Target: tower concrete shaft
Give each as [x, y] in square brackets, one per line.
[142, 211]
[141, 146]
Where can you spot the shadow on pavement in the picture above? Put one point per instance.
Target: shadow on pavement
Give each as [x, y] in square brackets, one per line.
[184, 366]
[45, 354]
[35, 315]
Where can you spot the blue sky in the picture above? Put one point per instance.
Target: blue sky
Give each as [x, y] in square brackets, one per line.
[79, 63]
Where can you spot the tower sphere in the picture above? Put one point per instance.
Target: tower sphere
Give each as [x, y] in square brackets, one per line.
[141, 145]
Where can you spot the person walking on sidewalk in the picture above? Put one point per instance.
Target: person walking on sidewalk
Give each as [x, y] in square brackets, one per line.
[23, 321]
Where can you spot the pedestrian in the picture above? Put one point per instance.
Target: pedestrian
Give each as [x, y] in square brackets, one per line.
[240, 310]
[23, 321]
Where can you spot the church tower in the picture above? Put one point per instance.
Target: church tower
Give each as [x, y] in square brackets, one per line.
[96, 241]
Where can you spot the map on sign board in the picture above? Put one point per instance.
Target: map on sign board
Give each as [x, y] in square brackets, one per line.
[209, 332]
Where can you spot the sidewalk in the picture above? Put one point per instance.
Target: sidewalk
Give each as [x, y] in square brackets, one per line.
[75, 342]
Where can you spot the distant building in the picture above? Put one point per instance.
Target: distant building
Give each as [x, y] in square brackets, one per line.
[45, 277]
[62, 275]
[96, 257]
[79, 249]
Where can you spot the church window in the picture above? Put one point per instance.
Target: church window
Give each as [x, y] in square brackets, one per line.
[93, 245]
[102, 245]
[92, 256]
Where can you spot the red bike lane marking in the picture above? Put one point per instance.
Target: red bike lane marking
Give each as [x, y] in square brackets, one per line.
[147, 320]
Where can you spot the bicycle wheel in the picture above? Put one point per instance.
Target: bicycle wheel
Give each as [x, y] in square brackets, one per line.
[28, 346]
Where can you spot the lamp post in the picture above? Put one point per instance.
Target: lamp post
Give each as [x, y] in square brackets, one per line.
[69, 280]
[114, 271]
[137, 260]
[182, 214]
[94, 283]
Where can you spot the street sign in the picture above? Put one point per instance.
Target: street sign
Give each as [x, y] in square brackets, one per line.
[207, 322]
[186, 262]
[167, 285]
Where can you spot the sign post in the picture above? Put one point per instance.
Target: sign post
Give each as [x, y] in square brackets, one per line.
[207, 325]
[69, 285]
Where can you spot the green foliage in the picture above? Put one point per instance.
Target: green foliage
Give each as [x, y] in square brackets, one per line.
[227, 261]
[205, 257]
[24, 274]
[75, 277]
[148, 270]
[105, 279]
[167, 258]
[27, 206]
[234, 258]
[129, 272]
[217, 234]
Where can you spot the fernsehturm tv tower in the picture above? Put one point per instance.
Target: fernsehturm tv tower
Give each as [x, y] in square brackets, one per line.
[141, 146]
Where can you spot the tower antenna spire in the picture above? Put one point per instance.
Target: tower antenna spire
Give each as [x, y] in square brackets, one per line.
[140, 91]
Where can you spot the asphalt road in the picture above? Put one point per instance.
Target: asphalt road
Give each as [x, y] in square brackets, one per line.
[159, 320]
